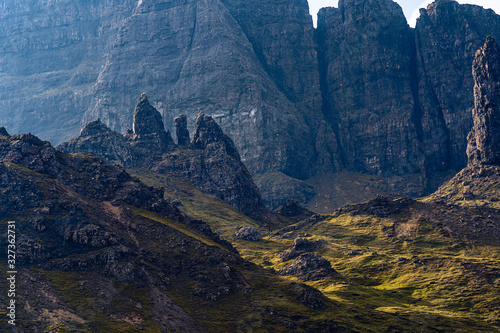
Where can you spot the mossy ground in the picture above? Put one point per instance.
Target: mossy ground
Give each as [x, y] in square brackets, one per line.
[407, 267]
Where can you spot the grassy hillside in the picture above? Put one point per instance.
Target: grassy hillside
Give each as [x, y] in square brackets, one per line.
[436, 266]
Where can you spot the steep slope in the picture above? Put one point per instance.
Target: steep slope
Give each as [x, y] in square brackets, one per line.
[447, 36]
[51, 54]
[97, 250]
[210, 161]
[366, 56]
[194, 56]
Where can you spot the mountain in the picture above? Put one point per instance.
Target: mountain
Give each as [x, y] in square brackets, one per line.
[363, 94]
[209, 161]
[99, 251]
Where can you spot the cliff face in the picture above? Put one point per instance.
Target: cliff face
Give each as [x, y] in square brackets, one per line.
[210, 161]
[362, 93]
[50, 57]
[365, 52]
[484, 138]
[447, 36]
[194, 56]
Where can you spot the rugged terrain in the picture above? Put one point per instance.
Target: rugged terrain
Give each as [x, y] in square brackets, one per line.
[363, 93]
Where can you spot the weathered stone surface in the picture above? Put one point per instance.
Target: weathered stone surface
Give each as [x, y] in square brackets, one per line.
[365, 59]
[148, 131]
[300, 246]
[194, 56]
[212, 163]
[378, 98]
[50, 57]
[276, 188]
[309, 267]
[248, 233]
[484, 139]
[181, 130]
[99, 140]
[294, 210]
[3, 131]
[447, 37]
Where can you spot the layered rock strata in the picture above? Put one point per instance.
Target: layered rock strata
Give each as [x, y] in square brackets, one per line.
[484, 138]
[210, 161]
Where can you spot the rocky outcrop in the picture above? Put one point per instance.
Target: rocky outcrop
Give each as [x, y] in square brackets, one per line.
[484, 138]
[248, 233]
[181, 131]
[294, 210]
[447, 37]
[148, 131]
[212, 163]
[299, 247]
[309, 267]
[98, 139]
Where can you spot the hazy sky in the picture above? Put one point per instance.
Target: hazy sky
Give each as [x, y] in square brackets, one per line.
[410, 7]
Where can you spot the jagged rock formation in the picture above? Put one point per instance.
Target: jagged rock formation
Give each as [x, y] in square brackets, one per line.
[98, 139]
[309, 267]
[148, 131]
[248, 233]
[181, 66]
[210, 161]
[365, 54]
[214, 166]
[484, 138]
[447, 37]
[299, 247]
[89, 233]
[364, 93]
[181, 131]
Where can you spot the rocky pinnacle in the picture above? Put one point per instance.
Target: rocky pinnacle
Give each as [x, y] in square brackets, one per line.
[148, 129]
[181, 130]
[484, 139]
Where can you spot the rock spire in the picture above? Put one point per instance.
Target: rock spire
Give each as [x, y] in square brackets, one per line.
[484, 139]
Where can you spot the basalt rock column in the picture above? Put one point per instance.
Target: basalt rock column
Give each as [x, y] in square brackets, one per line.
[484, 139]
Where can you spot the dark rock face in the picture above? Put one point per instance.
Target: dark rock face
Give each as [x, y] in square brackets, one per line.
[484, 139]
[447, 37]
[214, 166]
[365, 56]
[180, 46]
[208, 134]
[210, 162]
[309, 267]
[99, 140]
[3, 131]
[181, 131]
[147, 129]
[299, 247]
[293, 209]
[248, 233]
[363, 93]
[57, 50]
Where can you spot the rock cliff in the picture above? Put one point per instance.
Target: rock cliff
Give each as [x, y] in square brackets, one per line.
[98, 139]
[148, 131]
[447, 37]
[484, 138]
[363, 92]
[366, 54]
[210, 161]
